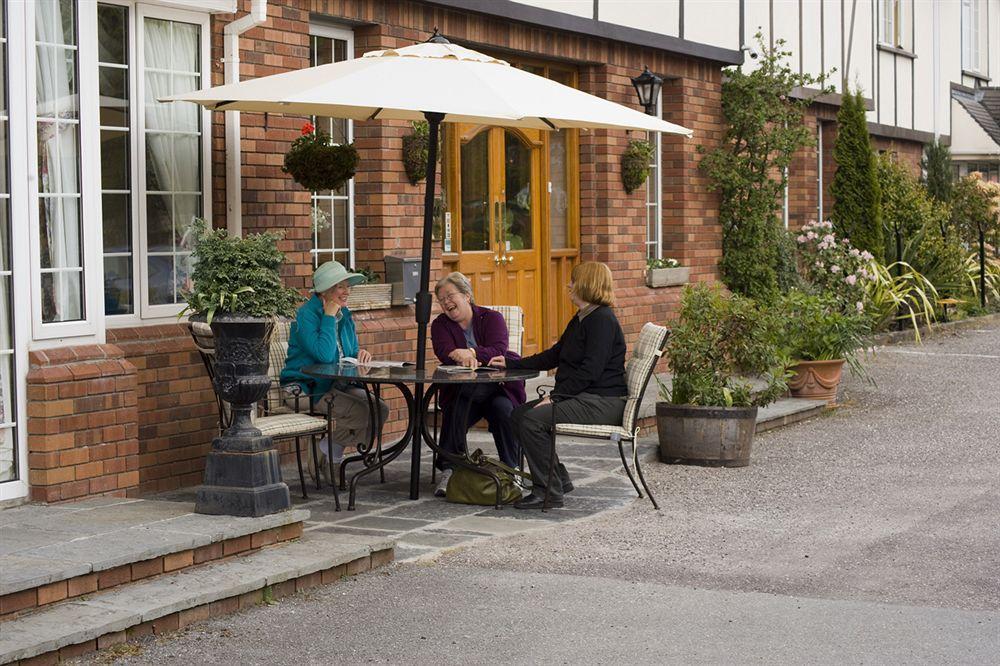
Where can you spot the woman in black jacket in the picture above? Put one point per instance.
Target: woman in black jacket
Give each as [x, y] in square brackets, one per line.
[590, 379]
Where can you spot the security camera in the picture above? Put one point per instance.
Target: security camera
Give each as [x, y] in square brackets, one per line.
[753, 54]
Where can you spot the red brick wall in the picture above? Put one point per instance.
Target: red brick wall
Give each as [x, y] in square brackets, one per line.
[82, 423]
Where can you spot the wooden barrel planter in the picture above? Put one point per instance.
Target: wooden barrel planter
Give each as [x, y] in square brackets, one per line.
[711, 436]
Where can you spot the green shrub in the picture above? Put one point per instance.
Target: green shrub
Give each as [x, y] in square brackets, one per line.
[415, 148]
[238, 275]
[816, 328]
[764, 129]
[936, 164]
[717, 343]
[856, 197]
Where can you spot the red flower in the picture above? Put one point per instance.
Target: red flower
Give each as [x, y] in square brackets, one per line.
[308, 128]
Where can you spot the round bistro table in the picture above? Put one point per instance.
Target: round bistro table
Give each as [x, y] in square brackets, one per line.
[372, 455]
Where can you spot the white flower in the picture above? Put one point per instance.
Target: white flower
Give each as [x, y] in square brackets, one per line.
[860, 306]
[827, 224]
[855, 252]
[867, 256]
[851, 279]
[829, 238]
[819, 264]
[801, 239]
[835, 269]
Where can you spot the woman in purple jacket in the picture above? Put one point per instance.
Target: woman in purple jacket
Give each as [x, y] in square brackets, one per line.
[466, 334]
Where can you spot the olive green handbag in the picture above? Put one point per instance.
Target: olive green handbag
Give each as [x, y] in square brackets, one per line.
[467, 486]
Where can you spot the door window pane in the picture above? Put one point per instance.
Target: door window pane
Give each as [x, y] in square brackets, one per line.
[8, 402]
[559, 190]
[475, 193]
[517, 233]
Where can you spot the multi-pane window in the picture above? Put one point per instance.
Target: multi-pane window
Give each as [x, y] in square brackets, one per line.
[172, 136]
[8, 416]
[973, 37]
[654, 196]
[896, 18]
[332, 210]
[116, 157]
[57, 127]
[151, 155]
[989, 171]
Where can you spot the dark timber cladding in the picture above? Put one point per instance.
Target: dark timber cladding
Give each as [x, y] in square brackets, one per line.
[515, 11]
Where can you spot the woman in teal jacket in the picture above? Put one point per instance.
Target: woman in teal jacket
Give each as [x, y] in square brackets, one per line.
[324, 332]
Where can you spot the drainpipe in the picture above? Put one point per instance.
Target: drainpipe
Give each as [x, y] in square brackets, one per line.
[936, 77]
[234, 193]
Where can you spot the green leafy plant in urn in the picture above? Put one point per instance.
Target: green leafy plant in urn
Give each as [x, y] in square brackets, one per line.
[237, 291]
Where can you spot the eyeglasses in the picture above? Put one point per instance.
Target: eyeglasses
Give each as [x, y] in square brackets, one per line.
[444, 298]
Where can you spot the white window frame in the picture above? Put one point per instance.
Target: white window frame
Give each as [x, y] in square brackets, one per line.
[89, 174]
[973, 19]
[896, 26]
[347, 35]
[169, 312]
[20, 46]
[654, 246]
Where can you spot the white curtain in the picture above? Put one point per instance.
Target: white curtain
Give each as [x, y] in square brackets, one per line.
[58, 151]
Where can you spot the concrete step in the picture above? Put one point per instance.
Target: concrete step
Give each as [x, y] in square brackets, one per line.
[54, 552]
[170, 602]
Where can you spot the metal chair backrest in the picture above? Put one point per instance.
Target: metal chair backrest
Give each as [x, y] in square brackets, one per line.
[513, 316]
[639, 369]
[277, 355]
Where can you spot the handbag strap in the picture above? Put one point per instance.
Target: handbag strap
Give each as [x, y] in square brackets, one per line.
[479, 458]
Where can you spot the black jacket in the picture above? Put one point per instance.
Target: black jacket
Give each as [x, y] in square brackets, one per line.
[589, 357]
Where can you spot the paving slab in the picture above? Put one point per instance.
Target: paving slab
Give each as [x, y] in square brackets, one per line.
[22, 572]
[383, 522]
[490, 525]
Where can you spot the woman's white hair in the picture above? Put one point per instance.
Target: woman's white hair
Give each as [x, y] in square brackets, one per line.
[457, 280]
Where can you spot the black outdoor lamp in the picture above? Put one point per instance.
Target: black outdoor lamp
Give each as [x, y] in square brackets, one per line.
[648, 85]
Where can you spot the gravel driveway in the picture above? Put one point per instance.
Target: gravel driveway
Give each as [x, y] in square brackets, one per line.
[871, 534]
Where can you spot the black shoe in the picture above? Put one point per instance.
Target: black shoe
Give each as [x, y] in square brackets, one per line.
[534, 501]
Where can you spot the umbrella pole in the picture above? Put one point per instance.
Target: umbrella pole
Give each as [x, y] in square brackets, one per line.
[423, 301]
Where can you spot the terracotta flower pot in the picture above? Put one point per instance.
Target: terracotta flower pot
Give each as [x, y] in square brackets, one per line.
[816, 380]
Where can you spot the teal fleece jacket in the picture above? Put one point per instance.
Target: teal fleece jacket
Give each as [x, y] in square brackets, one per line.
[313, 339]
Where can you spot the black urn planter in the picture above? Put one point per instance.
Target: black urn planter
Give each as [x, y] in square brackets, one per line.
[243, 471]
[711, 436]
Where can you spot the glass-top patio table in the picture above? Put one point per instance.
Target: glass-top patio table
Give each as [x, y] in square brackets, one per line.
[372, 455]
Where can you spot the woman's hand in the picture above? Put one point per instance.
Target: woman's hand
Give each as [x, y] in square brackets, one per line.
[330, 307]
[498, 362]
[466, 357]
[364, 356]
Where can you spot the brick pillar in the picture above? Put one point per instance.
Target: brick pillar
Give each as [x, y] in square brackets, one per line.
[612, 223]
[803, 181]
[691, 230]
[82, 423]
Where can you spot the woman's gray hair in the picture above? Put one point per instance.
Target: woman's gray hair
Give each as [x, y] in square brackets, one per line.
[458, 281]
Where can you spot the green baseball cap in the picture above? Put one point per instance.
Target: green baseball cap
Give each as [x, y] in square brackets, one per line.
[332, 273]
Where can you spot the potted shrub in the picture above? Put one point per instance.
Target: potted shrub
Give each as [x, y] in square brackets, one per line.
[820, 337]
[710, 411]
[237, 290]
[372, 294]
[317, 164]
[666, 273]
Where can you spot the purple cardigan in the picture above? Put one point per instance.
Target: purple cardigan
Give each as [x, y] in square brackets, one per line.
[490, 331]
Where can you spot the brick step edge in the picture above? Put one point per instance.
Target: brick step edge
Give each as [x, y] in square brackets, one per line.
[245, 536]
[173, 601]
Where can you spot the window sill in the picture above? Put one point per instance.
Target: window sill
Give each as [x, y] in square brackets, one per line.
[976, 75]
[897, 50]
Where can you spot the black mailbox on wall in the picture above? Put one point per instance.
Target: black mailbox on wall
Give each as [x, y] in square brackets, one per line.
[403, 273]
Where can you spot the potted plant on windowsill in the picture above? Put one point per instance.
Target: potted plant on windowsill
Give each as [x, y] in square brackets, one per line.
[709, 413]
[820, 336]
[666, 273]
[237, 290]
[370, 295]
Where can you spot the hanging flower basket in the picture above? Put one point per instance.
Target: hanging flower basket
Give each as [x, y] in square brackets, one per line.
[318, 165]
[415, 152]
[635, 164]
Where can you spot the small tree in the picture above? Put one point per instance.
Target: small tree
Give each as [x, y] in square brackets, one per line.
[938, 176]
[856, 197]
[764, 130]
[976, 213]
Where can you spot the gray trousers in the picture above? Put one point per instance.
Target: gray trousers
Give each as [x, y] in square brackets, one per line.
[351, 416]
[533, 427]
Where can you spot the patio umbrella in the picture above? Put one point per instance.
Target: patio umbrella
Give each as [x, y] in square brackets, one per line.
[437, 81]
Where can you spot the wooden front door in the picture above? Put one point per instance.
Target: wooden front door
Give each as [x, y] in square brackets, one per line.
[497, 233]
